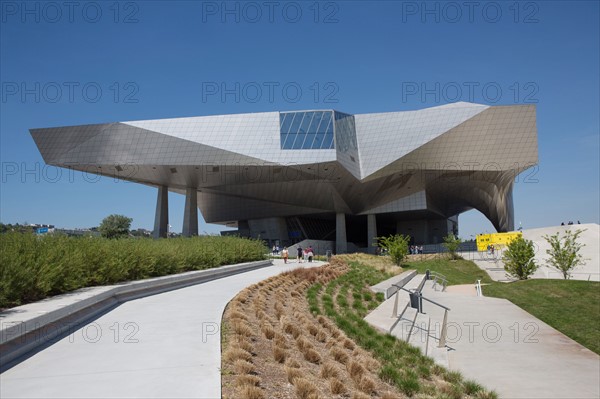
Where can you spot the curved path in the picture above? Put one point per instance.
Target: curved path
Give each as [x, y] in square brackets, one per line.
[162, 346]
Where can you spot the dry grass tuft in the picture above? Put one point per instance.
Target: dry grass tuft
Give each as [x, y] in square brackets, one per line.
[312, 329]
[389, 395]
[349, 344]
[280, 341]
[247, 379]
[242, 328]
[245, 344]
[312, 356]
[339, 355]
[234, 353]
[250, 392]
[292, 373]
[279, 311]
[366, 384]
[321, 336]
[305, 389]
[268, 331]
[279, 354]
[291, 328]
[370, 363]
[237, 315]
[303, 344]
[293, 363]
[329, 370]
[336, 386]
[356, 370]
[360, 395]
[243, 367]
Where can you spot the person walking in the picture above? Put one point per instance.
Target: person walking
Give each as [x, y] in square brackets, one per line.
[284, 254]
[299, 252]
[310, 254]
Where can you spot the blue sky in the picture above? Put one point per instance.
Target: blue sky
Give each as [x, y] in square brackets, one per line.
[93, 62]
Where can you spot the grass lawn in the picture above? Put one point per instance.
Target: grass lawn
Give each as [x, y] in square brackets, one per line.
[457, 272]
[570, 306]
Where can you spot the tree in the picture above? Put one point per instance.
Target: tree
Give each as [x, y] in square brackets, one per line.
[452, 242]
[396, 246]
[519, 258]
[115, 226]
[564, 252]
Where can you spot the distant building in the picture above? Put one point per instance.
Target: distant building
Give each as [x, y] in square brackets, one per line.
[319, 175]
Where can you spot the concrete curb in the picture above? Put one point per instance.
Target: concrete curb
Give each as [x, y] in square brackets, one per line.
[386, 286]
[28, 327]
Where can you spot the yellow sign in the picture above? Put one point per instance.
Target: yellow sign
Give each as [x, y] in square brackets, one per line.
[496, 239]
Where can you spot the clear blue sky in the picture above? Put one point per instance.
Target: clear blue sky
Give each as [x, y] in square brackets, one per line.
[158, 59]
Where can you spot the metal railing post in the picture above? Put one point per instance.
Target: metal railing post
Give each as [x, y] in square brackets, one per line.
[443, 333]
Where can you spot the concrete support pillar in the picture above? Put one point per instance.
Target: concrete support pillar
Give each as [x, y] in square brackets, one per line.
[341, 242]
[371, 233]
[161, 217]
[190, 213]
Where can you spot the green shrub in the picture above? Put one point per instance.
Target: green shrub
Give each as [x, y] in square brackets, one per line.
[452, 243]
[396, 246]
[33, 267]
[564, 252]
[519, 259]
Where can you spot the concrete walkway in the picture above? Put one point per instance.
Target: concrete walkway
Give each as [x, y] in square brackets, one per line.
[506, 349]
[162, 346]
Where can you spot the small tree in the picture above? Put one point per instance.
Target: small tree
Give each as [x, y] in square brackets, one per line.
[452, 243]
[396, 245]
[115, 226]
[519, 258]
[564, 252]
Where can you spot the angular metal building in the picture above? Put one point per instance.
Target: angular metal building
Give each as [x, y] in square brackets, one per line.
[317, 175]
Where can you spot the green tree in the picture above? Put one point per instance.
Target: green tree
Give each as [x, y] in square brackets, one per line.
[396, 246]
[519, 258]
[115, 226]
[564, 252]
[452, 242]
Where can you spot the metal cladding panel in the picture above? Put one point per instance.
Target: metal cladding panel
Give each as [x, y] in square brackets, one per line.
[413, 202]
[384, 138]
[498, 139]
[255, 135]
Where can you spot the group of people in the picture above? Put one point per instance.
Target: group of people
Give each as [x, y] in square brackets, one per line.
[302, 254]
[570, 223]
[275, 249]
[415, 249]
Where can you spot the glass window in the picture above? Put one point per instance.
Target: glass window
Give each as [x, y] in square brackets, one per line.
[328, 141]
[306, 130]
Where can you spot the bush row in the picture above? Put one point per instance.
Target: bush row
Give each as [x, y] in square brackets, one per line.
[34, 267]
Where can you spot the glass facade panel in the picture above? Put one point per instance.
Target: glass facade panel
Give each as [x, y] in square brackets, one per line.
[306, 130]
[345, 133]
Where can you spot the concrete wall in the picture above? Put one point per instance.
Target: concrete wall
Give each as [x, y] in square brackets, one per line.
[268, 228]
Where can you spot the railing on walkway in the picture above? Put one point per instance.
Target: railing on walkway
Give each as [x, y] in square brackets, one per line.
[438, 277]
[478, 288]
[416, 302]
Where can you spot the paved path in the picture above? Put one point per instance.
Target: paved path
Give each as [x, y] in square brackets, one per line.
[162, 346]
[504, 348]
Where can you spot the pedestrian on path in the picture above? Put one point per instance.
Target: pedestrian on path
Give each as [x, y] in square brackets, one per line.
[300, 253]
[284, 254]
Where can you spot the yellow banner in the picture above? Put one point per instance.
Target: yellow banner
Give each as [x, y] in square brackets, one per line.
[496, 239]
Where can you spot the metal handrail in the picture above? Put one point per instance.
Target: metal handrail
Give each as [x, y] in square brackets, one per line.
[478, 288]
[442, 342]
[444, 282]
[434, 302]
[437, 273]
